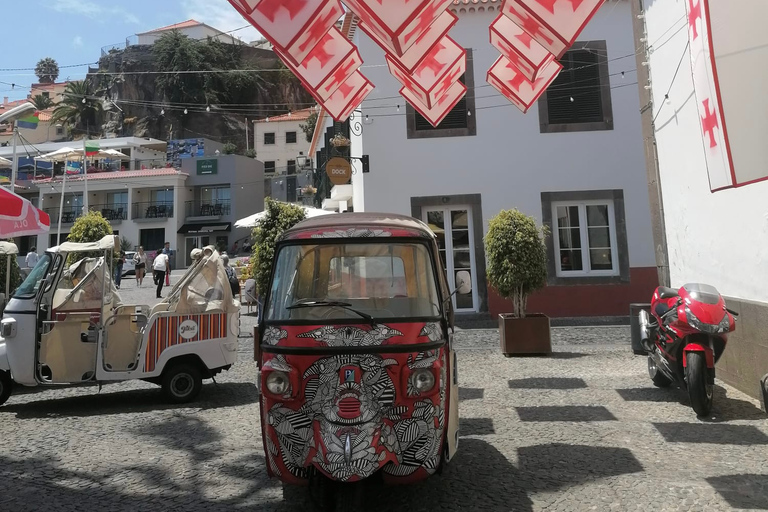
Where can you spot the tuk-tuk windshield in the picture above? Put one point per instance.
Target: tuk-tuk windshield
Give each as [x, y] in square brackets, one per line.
[342, 280]
[31, 284]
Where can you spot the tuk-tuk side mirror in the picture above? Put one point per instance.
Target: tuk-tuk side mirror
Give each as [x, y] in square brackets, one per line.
[463, 282]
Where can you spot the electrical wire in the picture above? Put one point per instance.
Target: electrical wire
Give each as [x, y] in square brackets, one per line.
[666, 96]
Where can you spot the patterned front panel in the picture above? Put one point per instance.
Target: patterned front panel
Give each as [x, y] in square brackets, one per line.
[352, 415]
[166, 333]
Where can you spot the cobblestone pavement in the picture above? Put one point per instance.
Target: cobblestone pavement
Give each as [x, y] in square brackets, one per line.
[582, 430]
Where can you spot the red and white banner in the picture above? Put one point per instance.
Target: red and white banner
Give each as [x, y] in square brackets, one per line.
[436, 73]
[328, 65]
[398, 24]
[441, 108]
[713, 129]
[555, 24]
[511, 82]
[518, 46]
[348, 96]
[293, 26]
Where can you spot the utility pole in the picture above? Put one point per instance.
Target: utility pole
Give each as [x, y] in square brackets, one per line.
[15, 165]
[655, 197]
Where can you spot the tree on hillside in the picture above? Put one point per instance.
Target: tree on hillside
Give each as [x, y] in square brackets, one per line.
[79, 109]
[42, 102]
[309, 127]
[47, 70]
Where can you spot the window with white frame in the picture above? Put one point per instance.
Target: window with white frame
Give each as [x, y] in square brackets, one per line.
[584, 235]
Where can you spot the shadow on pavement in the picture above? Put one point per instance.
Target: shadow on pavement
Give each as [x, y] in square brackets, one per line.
[476, 427]
[711, 433]
[568, 355]
[547, 383]
[471, 393]
[742, 491]
[565, 413]
[212, 396]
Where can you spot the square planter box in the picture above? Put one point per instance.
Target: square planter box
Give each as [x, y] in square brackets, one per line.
[525, 336]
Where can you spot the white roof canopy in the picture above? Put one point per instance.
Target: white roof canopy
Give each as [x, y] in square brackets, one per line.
[106, 243]
[8, 248]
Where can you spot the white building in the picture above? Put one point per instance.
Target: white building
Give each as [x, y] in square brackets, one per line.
[716, 237]
[570, 164]
[278, 140]
[190, 28]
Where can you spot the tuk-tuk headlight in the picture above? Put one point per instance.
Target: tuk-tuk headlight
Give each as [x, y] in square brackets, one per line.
[8, 328]
[423, 380]
[278, 383]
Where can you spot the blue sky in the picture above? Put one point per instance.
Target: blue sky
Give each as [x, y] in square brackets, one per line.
[74, 31]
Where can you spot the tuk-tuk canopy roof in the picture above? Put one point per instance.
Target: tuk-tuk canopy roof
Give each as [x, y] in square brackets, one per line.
[359, 225]
[106, 243]
[7, 248]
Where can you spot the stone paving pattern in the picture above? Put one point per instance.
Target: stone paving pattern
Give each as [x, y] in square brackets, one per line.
[582, 430]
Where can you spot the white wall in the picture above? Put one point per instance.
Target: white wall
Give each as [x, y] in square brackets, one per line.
[197, 32]
[717, 238]
[509, 161]
[279, 152]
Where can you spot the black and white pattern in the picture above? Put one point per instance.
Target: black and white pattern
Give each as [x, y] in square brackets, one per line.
[273, 335]
[433, 331]
[354, 233]
[348, 336]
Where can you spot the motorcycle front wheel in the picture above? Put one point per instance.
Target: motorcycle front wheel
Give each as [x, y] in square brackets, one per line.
[700, 392]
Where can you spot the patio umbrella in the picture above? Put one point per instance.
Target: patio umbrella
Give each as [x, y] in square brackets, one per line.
[111, 153]
[8, 250]
[253, 220]
[62, 155]
[19, 218]
[4, 162]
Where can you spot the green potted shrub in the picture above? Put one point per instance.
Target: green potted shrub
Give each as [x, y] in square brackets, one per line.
[517, 266]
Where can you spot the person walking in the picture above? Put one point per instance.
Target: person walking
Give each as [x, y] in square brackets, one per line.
[234, 284]
[32, 258]
[141, 266]
[161, 266]
[119, 269]
[167, 252]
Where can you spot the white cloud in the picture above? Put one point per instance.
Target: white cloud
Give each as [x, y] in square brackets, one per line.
[220, 15]
[77, 42]
[92, 10]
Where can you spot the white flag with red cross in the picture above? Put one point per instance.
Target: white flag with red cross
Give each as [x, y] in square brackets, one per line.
[397, 24]
[441, 108]
[436, 73]
[555, 24]
[348, 96]
[294, 27]
[519, 46]
[713, 129]
[506, 77]
[328, 65]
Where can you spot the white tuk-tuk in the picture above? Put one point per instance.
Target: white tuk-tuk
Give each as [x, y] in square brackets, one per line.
[66, 325]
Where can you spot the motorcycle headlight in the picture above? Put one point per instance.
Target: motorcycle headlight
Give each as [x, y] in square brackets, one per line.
[423, 380]
[722, 327]
[725, 324]
[278, 383]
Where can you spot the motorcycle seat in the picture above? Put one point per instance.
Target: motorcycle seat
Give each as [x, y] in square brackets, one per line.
[667, 293]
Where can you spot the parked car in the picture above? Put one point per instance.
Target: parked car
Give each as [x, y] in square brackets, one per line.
[129, 267]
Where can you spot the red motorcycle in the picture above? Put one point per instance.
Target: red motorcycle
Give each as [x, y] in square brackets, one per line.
[685, 335]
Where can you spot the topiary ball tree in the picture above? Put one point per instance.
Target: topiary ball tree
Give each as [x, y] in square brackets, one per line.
[517, 257]
[90, 227]
[279, 217]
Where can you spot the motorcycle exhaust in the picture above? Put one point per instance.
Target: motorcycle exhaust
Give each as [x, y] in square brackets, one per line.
[645, 331]
[661, 363]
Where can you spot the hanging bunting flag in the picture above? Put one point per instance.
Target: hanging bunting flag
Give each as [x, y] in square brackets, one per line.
[91, 148]
[555, 24]
[441, 108]
[422, 46]
[327, 66]
[511, 82]
[30, 122]
[348, 96]
[294, 27]
[397, 23]
[436, 73]
[519, 46]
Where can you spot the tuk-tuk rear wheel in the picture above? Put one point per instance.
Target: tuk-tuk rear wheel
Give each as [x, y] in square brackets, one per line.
[6, 386]
[182, 383]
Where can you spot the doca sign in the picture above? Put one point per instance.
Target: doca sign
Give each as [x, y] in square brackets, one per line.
[339, 171]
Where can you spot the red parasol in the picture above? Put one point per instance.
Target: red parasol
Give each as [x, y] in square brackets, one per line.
[19, 218]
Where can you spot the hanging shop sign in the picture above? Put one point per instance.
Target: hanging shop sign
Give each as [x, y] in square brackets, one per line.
[339, 170]
[530, 35]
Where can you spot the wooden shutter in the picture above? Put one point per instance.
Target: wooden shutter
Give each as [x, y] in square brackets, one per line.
[580, 80]
[456, 118]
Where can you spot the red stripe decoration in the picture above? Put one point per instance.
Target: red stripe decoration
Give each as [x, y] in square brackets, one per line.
[165, 333]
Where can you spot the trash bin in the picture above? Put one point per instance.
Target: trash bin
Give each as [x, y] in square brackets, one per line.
[634, 325]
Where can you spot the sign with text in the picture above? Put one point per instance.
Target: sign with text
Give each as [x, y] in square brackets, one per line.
[339, 171]
[205, 167]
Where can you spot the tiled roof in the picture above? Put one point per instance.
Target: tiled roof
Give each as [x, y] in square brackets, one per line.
[460, 6]
[299, 115]
[123, 175]
[12, 104]
[183, 24]
[475, 2]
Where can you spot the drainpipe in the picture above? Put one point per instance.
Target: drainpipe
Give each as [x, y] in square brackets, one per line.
[649, 144]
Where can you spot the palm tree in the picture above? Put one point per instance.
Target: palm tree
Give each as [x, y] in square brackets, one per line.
[79, 109]
[47, 70]
[42, 102]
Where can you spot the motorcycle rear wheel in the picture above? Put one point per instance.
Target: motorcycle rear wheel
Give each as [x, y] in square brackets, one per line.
[700, 392]
[659, 379]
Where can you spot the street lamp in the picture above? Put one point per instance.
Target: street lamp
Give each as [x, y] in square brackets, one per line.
[303, 161]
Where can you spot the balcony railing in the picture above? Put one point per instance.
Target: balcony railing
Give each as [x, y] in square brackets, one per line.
[216, 208]
[153, 210]
[116, 211]
[68, 214]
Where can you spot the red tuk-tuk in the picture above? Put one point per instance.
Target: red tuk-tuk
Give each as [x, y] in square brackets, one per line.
[357, 369]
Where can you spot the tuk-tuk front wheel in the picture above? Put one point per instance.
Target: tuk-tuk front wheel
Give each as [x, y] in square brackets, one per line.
[6, 386]
[182, 383]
